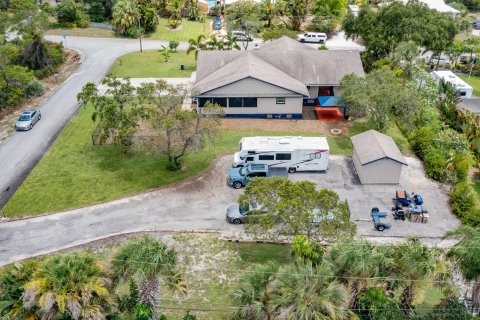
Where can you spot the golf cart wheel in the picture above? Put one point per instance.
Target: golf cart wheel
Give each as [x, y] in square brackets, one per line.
[292, 170]
[237, 185]
[380, 228]
[237, 221]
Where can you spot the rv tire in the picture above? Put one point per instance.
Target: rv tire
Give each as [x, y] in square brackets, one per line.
[292, 170]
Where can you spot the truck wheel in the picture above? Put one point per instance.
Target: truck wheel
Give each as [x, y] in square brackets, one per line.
[380, 228]
[237, 185]
[237, 221]
[292, 170]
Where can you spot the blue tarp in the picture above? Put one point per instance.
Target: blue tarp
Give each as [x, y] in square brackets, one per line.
[329, 101]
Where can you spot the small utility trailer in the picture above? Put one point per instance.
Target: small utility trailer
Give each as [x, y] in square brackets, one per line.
[378, 224]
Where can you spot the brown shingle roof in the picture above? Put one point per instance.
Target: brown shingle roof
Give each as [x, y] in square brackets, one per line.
[372, 145]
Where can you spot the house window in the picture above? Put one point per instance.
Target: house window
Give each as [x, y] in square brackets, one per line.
[283, 156]
[235, 102]
[203, 101]
[266, 157]
[315, 156]
[280, 100]
[220, 101]
[249, 102]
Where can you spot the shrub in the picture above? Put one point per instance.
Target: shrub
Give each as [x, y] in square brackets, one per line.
[323, 24]
[71, 14]
[56, 53]
[173, 45]
[421, 140]
[462, 166]
[34, 89]
[462, 199]
[44, 72]
[172, 23]
[275, 33]
[435, 164]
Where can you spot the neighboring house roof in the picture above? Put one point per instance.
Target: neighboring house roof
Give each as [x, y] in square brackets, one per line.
[372, 145]
[284, 61]
[247, 65]
[438, 5]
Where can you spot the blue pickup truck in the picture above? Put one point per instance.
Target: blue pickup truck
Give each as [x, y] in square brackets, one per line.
[240, 177]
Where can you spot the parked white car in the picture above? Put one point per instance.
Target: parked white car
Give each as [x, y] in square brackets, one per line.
[316, 37]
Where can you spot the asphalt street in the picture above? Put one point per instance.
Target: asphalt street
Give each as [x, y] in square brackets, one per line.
[21, 152]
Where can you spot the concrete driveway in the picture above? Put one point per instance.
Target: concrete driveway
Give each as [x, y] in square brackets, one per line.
[200, 204]
[20, 153]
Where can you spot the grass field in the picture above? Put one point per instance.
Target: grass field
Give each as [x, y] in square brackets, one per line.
[81, 32]
[151, 64]
[187, 31]
[474, 82]
[75, 173]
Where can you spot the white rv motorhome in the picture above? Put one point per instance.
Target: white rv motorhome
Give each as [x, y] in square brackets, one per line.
[294, 153]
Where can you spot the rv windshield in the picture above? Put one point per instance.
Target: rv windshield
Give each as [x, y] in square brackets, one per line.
[244, 171]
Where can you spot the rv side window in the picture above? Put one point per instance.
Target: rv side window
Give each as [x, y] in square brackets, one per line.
[283, 156]
[262, 174]
[266, 157]
[315, 156]
[251, 152]
[249, 159]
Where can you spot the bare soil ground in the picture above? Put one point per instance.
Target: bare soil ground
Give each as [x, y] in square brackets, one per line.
[313, 126]
[51, 83]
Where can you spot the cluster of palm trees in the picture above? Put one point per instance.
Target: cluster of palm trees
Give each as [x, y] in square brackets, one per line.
[78, 286]
[332, 288]
[229, 42]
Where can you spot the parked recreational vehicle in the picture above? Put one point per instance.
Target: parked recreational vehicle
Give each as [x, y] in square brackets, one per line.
[294, 153]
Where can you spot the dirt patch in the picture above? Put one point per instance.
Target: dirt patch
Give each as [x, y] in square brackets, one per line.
[51, 83]
[308, 126]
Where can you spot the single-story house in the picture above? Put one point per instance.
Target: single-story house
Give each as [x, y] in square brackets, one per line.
[438, 5]
[376, 158]
[274, 81]
[464, 88]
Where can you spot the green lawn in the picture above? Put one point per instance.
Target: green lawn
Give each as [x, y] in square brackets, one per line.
[474, 82]
[81, 32]
[151, 64]
[187, 31]
[74, 173]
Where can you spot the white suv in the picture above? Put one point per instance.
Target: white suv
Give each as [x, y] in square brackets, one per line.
[316, 37]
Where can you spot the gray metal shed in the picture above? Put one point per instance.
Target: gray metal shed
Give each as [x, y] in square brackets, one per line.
[376, 158]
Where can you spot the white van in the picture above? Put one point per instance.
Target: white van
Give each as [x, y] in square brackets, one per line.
[293, 153]
[312, 37]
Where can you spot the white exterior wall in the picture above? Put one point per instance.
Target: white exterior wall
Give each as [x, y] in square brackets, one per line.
[384, 171]
[250, 88]
[269, 106]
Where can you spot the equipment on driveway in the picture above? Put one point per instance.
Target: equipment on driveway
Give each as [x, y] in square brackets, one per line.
[377, 222]
[417, 213]
[405, 199]
[398, 212]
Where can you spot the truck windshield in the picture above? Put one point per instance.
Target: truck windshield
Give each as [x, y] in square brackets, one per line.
[244, 171]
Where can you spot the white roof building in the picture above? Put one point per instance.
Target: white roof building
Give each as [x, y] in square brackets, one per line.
[438, 5]
[284, 143]
[465, 89]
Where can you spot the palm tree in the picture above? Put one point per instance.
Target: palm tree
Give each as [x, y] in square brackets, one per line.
[147, 260]
[69, 285]
[304, 291]
[356, 261]
[404, 59]
[467, 256]
[417, 265]
[472, 45]
[456, 51]
[213, 43]
[231, 42]
[12, 281]
[174, 7]
[195, 45]
[124, 16]
[253, 294]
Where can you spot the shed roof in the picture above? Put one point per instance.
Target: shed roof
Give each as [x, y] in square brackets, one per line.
[372, 145]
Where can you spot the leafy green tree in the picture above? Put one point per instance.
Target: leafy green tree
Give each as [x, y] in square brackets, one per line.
[148, 261]
[99, 10]
[178, 129]
[375, 304]
[417, 265]
[195, 45]
[71, 14]
[278, 32]
[174, 7]
[254, 292]
[12, 281]
[304, 248]
[124, 17]
[116, 114]
[14, 81]
[305, 291]
[466, 255]
[335, 7]
[404, 59]
[375, 96]
[356, 261]
[173, 45]
[244, 15]
[27, 18]
[36, 54]
[268, 11]
[69, 285]
[296, 208]
[296, 11]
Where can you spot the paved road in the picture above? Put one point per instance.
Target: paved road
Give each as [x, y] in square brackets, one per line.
[20, 153]
[200, 204]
